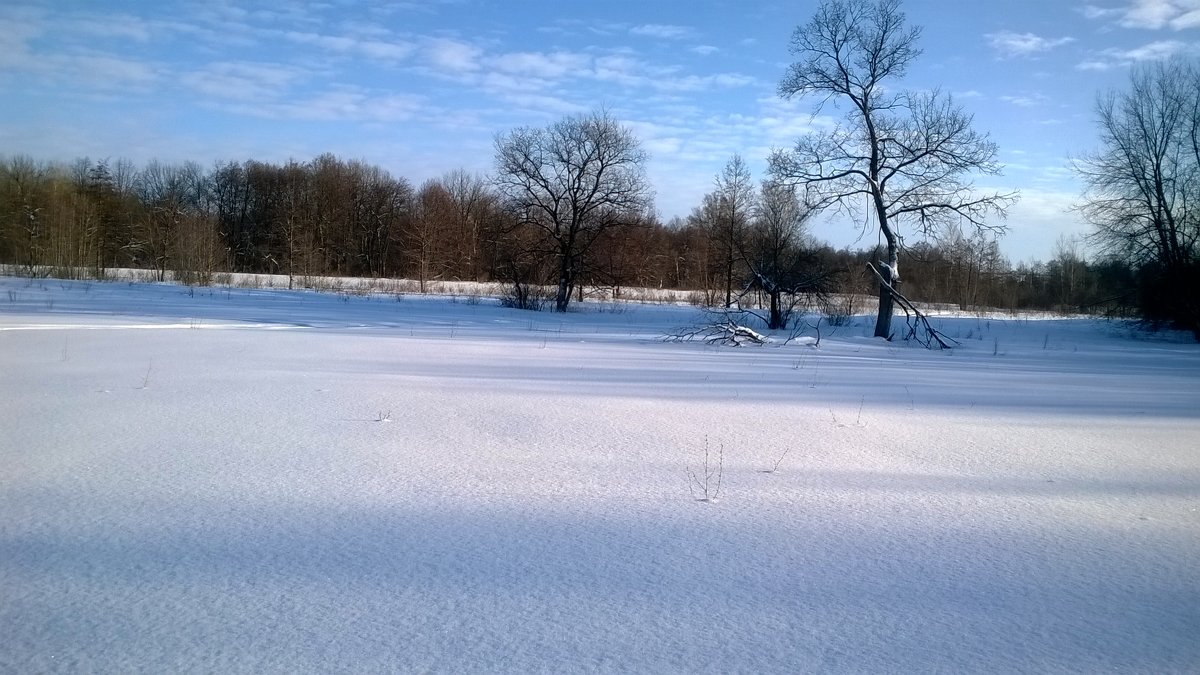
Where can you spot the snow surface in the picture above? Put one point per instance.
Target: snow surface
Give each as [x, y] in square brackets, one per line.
[270, 481]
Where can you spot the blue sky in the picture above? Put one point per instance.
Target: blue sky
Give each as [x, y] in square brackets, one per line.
[421, 88]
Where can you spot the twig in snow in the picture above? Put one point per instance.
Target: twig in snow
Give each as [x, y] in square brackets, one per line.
[707, 483]
[778, 460]
[146, 377]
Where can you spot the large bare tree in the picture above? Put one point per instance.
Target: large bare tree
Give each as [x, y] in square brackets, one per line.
[908, 155]
[1143, 186]
[572, 181]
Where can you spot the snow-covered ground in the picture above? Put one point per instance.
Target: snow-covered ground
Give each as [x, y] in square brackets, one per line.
[270, 481]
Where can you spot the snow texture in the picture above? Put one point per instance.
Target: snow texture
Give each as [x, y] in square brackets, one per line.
[203, 480]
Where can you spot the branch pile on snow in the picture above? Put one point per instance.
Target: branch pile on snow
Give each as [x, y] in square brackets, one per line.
[725, 331]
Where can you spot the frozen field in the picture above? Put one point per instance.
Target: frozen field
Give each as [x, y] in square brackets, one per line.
[270, 481]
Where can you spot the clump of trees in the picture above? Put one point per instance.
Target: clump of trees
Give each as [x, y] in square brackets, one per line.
[1143, 187]
[568, 185]
[325, 217]
[758, 246]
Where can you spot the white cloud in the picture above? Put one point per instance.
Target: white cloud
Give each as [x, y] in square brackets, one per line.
[346, 104]
[1025, 100]
[386, 51]
[1094, 12]
[331, 42]
[1190, 19]
[453, 56]
[1038, 219]
[553, 65]
[631, 72]
[115, 26]
[21, 26]
[376, 49]
[544, 104]
[1150, 14]
[243, 81]
[662, 31]
[1011, 44]
[113, 71]
[1153, 51]
[704, 50]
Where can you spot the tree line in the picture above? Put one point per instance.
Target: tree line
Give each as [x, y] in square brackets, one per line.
[332, 217]
[568, 208]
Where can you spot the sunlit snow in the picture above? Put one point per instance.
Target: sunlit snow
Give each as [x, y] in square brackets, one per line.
[226, 480]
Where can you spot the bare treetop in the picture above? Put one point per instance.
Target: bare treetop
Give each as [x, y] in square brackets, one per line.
[848, 49]
[573, 180]
[908, 156]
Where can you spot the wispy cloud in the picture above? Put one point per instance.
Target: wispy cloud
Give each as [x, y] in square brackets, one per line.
[114, 26]
[632, 72]
[1149, 14]
[452, 56]
[704, 50]
[382, 50]
[1010, 44]
[1116, 58]
[354, 105]
[1025, 100]
[244, 81]
[662, 31]
[21, 25]
[553, 65]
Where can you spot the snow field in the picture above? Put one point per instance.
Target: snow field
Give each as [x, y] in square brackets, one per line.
[265, 481]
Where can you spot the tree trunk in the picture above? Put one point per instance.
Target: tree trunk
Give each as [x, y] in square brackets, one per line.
[883, 321]
[729, 282]
[776, 319]
[562, 298]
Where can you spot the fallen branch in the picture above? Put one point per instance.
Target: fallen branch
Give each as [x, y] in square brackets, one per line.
[721, 330]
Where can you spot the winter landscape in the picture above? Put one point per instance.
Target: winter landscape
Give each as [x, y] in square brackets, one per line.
[262, 480]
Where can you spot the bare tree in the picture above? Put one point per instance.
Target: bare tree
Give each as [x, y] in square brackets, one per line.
[1143, 186]
[294, 220]
[779, 259]
[428, 230]
[909, 155]
[167, 194]
[572, 181]
[734, 201]
[471, 202]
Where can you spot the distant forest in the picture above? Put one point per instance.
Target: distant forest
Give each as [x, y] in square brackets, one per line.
[333, 217]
